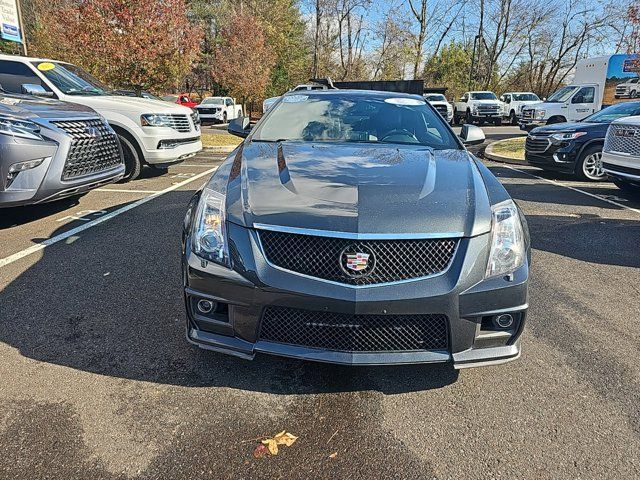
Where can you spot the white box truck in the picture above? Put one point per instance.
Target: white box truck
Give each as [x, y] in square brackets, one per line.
[594, 85]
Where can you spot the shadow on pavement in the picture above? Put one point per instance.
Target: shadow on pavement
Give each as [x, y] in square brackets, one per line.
[15, 216]
[587, 238]
[111, 303]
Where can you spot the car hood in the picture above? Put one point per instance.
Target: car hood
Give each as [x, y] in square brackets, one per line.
[566, 127]
[136, 105]
[30, 107]
[359, 189]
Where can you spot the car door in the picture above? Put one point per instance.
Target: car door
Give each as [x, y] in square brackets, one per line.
[582, 104]
[506, 105]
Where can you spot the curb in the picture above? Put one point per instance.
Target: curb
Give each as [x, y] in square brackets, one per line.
[488, 153]
[220, 149]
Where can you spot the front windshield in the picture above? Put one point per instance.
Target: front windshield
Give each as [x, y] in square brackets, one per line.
[562, 95]
[483, 96]
[350, 118]
[435, 98]
[71, 80]
[213, 101]
[525, 97]
[609, 114]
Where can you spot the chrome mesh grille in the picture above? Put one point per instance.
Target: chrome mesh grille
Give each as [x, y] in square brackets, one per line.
[323, 257]
[623, 139]
[94, 148]
[354, 333]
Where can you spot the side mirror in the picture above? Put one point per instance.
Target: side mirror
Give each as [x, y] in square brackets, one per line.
[36, 90]
[240, 127]
[471, 135]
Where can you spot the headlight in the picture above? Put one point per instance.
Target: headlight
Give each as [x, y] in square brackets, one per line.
[540, 114]
[209, 236]
[565, 137]
[19, 128]
[154, 120]
[507, 240]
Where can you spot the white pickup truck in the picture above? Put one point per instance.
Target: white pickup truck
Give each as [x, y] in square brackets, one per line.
[439, 102]
[478, 107]
[151, 132]
[219, 109]
[595, 84]
[514, 102]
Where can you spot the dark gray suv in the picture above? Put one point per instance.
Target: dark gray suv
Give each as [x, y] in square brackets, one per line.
[51, 150]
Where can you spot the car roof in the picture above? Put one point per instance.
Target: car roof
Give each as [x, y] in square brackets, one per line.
[360, 93]
[20, 58]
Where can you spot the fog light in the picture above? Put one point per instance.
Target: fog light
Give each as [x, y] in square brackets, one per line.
[505, 320]
[205, 306]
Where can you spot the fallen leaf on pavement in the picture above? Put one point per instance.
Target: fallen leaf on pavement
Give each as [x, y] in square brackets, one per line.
[333, 455]
[270, 445]
[260, 451]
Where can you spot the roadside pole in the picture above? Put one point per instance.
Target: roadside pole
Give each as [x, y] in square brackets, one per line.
[24, 33]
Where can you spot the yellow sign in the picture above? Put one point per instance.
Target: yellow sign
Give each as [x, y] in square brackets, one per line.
[44, 66]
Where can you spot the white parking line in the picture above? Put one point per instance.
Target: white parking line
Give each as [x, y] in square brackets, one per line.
[124, 190]
[75, 231]
[560, 184]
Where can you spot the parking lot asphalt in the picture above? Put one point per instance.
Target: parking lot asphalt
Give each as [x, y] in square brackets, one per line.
[97, 380]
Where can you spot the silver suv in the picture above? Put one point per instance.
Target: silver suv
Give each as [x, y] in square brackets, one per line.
[51, 149]
[621, 153]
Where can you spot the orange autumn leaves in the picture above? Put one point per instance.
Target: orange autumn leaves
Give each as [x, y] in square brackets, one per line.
[269, 446]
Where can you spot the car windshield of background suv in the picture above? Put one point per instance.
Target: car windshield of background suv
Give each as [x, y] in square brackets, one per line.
[70, 79]
[213, 101]
[355, 118]
[525, 97]
[609, 114]
[483, 96]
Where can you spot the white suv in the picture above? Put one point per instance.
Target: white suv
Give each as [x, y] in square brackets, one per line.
[621, 153]
[152, 132]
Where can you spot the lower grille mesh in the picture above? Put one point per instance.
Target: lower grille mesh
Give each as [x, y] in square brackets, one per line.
[354, 333]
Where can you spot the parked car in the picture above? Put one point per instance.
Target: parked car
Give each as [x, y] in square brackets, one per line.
[478, 107]
[439, 102]
[52, 150]
[151, 132]
[181, 99]
[378, 239]
[133, 93]
[219, 109]
[576, 148]
[512, 104]
[268, 103]
[628, 89]
[621, 153]
[594, 85]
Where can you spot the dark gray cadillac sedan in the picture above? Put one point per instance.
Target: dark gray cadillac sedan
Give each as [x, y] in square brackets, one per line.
[354, 227]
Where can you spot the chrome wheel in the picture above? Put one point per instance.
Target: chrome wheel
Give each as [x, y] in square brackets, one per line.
[592, 166]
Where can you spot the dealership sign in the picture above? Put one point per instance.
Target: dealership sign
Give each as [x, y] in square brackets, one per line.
[9, 21]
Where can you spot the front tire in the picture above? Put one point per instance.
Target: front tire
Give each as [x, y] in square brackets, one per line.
[224, 117]
[589, 165]
[132, 161]
[513, 120]
[497, 122]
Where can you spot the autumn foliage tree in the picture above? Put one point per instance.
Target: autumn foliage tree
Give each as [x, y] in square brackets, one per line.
[243, 59]
[140, 44]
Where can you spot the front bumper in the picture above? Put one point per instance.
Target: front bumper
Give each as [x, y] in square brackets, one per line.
[44, 183]
[558, 158]
[624, 167]
[461, 293]
[152, 137]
